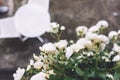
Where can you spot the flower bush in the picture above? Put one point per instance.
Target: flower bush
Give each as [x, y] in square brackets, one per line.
[93, 56]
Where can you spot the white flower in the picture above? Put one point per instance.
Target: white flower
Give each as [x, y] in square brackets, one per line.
[97, 38]
[19, 74]
[111, 53]
[77, 47]
[116, 48]
[69, 52]
[31, 62]
[62, 28]
[88, 53]
[102, 24]
[71, 41]
[94, 29]
[28, 67]
[81, 30]
[55, 25]
[38, 64]
[80, 41]
[118, 32]
[51, 72]
[116, 58]
[113, 35]
[110, 76]
[39, 76]
[48, 48]
[84, 42]
[103, 38]
[102, 46]
[62, 44]
[36, 57]
[54, 28]
[91, 36]
[106, 58]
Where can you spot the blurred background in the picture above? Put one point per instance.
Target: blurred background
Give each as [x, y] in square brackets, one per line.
[70, 13]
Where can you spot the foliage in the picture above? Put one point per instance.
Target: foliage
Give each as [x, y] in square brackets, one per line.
[88, 58]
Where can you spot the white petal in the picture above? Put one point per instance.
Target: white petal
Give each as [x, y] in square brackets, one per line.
[116, 58]
[69, 52]
[102, 23]
[39, 76]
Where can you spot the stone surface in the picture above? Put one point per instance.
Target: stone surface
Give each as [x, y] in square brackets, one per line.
[71, 13]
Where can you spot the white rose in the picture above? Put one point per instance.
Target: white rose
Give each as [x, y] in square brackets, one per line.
[28, 67]
[62, 28]
[110, 76]
[39, 76]
[54, 25]
[54, 28]
[48, 48]
[111, 53]
[81, 30]
[116, 48]
[31, 62]
[102, 24]
[69, 52]
[102, 46]
[38, 64]
[103, 38]
[88, 53]
[62, 44]
[84, 42]
[116, 58]
[94, 29]
[36, 57]
[19, 74]
[113, 35]
[51, 72]
[91, 36]
[76, 47]
[105, 58]
[118, 32]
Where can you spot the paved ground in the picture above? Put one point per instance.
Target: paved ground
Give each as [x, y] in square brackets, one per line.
[6, 74]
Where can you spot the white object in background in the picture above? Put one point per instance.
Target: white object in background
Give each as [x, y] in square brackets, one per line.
[7, 28]
[31, 20]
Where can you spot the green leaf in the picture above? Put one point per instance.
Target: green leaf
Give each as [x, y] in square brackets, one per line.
[102, 76]
[79, 71]
[117, 76]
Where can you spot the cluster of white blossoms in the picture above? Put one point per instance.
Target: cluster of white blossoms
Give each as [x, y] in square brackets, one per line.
[91, 41]
[55, 27]
[41, 62]
[114, 36]
[19, 74]
[82, 30]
